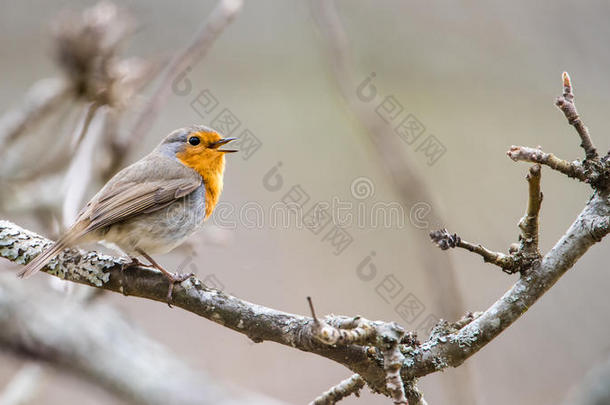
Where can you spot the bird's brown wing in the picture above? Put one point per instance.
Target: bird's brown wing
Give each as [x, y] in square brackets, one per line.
[148, 185]
[131, 199]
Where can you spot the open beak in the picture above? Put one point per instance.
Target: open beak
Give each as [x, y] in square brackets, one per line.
[223, 141]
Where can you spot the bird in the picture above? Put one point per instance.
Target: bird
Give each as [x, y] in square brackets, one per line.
[153, 205]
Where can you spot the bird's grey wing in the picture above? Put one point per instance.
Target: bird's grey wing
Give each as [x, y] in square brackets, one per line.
[131, 199]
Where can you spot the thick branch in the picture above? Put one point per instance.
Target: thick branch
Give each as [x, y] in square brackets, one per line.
[104, 347]
[452, 349]
[261, 323]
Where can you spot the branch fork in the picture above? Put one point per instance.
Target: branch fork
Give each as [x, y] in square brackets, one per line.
[591, 169]
[384, 336]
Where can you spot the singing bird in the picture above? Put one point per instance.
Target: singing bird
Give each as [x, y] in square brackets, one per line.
[153, 205]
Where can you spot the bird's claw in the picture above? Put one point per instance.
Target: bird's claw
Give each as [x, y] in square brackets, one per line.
[174, 278]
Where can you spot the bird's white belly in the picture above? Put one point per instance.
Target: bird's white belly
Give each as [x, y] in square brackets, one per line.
[159, 231]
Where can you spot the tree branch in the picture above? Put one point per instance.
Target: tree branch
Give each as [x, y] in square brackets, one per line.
[23, 387]
[344, 389]
[41, 100]
[529, 223]
[386, 358]
[535, 155]
[566, 104]
[33, 322]
[445, 240]
[452, 349]
[521, 256]
[260, 323]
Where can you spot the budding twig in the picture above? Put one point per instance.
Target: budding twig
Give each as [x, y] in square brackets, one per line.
[520, 258]
[529, 223]
[567, 106]
[344, 389]
[536, 155]
[445, 240]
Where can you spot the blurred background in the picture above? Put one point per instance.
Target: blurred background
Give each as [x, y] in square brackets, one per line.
[474, 77]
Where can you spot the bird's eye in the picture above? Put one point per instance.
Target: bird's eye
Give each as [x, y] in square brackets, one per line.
[193, 140]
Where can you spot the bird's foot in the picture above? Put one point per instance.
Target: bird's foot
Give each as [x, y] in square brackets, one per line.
[174, 278]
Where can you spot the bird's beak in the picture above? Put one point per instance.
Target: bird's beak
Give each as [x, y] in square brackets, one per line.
[223, 141]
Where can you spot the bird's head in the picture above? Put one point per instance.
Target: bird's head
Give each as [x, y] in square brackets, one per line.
[197, 147]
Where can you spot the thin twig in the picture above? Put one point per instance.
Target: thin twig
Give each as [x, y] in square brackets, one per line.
[344, 389]
[536, 155]
[92, 108]
[445, 240]
[567, 106]
[81, 172]
[44, 97]
[525, 254]
[529, 223]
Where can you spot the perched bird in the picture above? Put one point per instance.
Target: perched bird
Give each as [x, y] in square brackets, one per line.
[153, 205]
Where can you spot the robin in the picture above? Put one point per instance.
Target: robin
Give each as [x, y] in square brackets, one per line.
[153, 205]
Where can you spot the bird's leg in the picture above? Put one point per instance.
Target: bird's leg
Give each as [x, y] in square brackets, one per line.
[173, 278]
[136, 263]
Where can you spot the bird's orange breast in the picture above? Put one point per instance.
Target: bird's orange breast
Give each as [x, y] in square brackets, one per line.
[210, 168]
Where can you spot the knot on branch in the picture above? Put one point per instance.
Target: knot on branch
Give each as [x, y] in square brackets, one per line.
[384, 336]
[343, 331]
[445, 328]
[599, 227]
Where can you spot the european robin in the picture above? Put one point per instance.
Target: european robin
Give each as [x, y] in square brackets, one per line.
[153, 205]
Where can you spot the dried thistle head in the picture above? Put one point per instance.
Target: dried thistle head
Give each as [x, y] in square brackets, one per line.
[87, 48]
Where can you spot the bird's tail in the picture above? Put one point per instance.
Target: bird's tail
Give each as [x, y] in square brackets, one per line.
[70, 238]
[42, 259]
